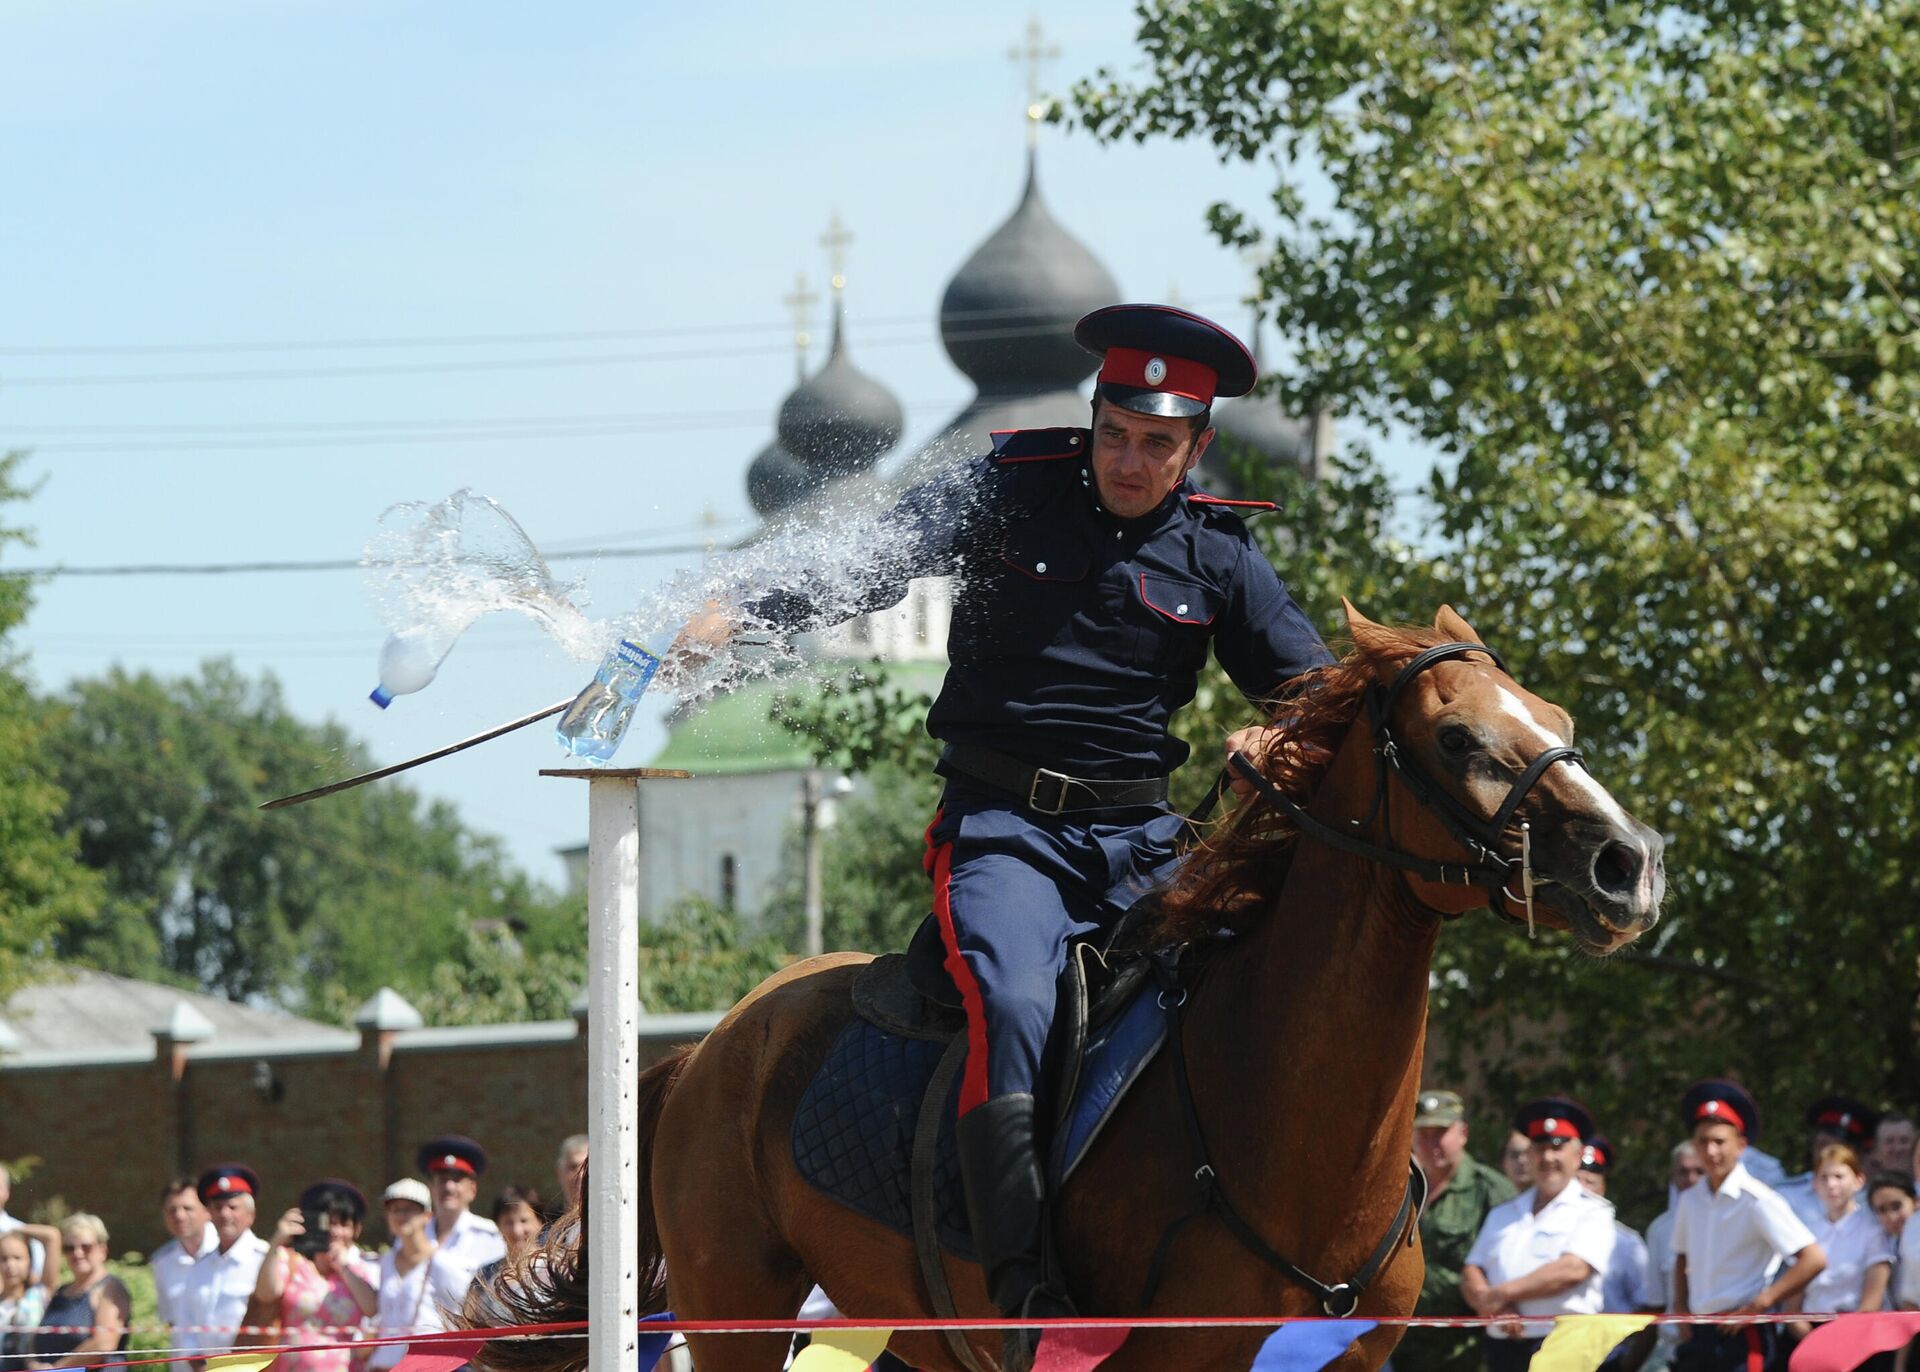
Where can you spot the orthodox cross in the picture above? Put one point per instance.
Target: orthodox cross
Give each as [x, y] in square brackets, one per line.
[800, 303]
[835, 241]
[1033, 53]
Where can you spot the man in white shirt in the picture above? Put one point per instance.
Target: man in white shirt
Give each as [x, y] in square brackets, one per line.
[1730, 1237]
[185, 1217]
[464, 1242]
[1545, 1251]
[213, 1301]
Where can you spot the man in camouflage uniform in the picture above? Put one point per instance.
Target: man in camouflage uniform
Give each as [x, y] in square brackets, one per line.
[1461, 1190]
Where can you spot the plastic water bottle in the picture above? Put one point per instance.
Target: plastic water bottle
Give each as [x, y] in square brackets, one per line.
[408, 661]
[594, 724]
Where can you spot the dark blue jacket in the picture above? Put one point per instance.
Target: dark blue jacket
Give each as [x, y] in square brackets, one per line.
[1076, 634]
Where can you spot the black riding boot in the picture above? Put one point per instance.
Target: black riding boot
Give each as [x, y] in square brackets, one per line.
[1007, 1206]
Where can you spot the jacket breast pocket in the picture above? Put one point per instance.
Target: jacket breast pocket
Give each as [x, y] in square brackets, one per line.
[1041, 552]
[1178, 616]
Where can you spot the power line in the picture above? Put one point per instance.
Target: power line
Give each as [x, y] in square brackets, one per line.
[474, 340]
[343, 564]
[342, 372]
[376, 433]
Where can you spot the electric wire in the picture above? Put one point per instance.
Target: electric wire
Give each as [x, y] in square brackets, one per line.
[498, 339]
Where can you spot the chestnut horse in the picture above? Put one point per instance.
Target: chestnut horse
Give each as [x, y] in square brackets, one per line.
[1303, 1041]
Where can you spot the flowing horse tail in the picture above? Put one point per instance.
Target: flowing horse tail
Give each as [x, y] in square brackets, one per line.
[549, 1284]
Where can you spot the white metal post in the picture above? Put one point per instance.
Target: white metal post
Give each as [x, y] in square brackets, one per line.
[613, 1063]
[613, 1071]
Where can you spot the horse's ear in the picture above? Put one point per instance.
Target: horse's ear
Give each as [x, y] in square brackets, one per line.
[1454, 627]
[1375, 640]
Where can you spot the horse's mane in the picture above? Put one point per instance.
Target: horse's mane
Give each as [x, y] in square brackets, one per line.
[1234, 876]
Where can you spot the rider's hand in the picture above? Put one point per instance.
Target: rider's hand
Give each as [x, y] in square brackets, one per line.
[1253, 741]
[701, 638]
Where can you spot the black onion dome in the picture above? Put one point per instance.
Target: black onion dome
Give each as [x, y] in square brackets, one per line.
[1258, 422]
[776, 479]
[1008, 315]
[839, 420]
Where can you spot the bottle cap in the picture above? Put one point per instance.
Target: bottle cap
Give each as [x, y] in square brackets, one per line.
[381, 696]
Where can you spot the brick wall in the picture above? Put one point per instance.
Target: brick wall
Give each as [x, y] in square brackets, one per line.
[110, 1134]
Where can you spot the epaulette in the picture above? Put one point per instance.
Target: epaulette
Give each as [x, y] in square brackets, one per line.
[1037, 445]
[1243, 508]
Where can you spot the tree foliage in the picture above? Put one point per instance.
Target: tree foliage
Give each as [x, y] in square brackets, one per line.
[43, 886]
[1649, 275]
[313, 908]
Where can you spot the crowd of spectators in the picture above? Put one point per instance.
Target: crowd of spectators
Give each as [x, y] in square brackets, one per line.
[1536, 1236]
[309, 1282]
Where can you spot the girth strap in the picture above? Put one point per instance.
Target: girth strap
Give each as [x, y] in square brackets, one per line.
[1340, 1299]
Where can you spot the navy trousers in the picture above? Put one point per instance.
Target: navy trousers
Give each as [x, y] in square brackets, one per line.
[1011, 888]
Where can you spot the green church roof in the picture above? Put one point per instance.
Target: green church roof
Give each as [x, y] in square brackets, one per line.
[735, 735]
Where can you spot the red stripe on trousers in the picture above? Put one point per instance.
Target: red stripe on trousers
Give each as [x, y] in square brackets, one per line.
[973, 1080]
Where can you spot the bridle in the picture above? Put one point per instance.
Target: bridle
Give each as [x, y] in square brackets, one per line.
[1482, 839]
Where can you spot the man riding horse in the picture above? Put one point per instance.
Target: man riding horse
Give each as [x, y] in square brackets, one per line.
[1090, 577]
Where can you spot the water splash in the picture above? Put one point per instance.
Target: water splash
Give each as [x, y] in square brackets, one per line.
[443, 564]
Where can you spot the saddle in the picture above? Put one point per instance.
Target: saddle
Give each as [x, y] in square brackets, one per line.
[875, 1128]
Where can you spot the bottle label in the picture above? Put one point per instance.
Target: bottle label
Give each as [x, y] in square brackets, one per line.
[643, 663]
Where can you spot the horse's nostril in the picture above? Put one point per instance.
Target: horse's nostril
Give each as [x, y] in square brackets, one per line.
[1616, 868]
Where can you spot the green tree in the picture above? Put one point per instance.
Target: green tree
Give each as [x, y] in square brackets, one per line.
[701, 958]
[313, 908]
[873, 889]
[43, 886]
[1646, 274]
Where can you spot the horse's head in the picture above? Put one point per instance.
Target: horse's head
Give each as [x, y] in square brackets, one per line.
[1480, 762]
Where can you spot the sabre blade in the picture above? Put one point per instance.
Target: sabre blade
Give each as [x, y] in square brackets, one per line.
[379, 772]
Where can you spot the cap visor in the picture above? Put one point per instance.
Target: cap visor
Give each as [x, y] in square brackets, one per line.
[1160, 404]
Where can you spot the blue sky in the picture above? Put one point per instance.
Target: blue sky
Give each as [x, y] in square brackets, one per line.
[305, 173]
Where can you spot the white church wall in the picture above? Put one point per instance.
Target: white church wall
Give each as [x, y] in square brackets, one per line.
[691, 830]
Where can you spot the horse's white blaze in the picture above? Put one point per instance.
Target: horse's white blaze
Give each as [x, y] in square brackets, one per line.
[1516, 707]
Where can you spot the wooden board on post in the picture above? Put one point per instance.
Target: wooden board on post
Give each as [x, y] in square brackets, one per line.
[613, 1057]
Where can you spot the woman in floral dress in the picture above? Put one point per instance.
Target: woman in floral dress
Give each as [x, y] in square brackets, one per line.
[323, 1299]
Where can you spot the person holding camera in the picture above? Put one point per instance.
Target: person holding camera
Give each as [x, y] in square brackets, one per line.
[316, 1280]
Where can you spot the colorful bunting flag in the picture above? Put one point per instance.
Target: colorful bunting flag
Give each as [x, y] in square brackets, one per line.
[1310, 1345]
[651, 1346]
[241, 1362]
[1580, 1343]
[842, 1350]
[438, 1356]
[1077, 1350]
[1843, 1344]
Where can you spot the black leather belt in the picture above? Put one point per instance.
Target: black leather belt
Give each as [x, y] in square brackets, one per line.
[1045, 790]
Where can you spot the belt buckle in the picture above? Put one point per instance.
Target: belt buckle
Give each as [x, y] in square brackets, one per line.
[1042, 774]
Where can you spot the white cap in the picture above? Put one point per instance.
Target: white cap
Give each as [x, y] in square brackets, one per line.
[407, 1189]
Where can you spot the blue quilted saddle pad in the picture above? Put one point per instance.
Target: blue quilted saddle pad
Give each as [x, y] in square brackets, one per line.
[853, 1132]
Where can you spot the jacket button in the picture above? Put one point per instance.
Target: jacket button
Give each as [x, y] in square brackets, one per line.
[1040, 567]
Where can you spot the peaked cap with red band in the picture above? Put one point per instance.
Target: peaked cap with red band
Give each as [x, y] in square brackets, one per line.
[228, 1179]
[452, 1153]
[1157, 360]
[1724, 1101]
[1553, 1117]
[1844, 1117]
[1597, 1156]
